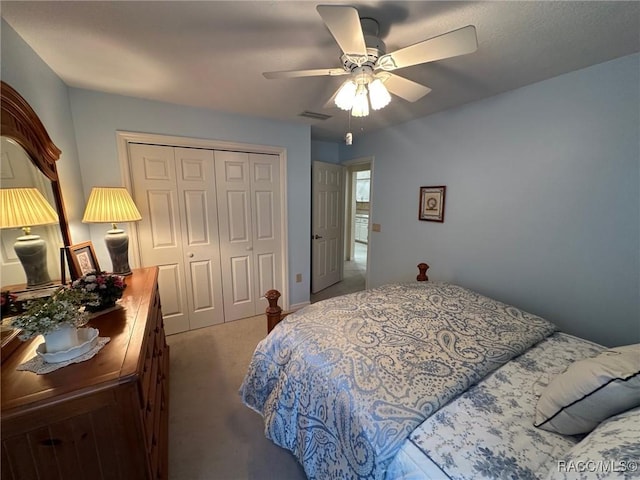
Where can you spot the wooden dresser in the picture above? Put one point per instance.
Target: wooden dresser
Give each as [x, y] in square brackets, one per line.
[105, 418]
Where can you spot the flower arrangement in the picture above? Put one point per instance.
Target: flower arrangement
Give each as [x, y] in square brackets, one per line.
[107, 286]
[47, 314]
[8, 303]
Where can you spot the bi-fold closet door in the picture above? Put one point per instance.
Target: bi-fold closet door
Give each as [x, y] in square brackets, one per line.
[211, 222]
[248, 189]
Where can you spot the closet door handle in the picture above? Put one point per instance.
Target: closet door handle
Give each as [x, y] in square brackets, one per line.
[190, 255]
[249, 249]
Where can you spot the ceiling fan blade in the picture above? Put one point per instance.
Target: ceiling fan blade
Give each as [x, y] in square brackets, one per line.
[320, 72]
[452, 44]
[403, 87]
[344, 24]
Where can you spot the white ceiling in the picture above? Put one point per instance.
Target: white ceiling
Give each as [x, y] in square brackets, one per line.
[211, 54]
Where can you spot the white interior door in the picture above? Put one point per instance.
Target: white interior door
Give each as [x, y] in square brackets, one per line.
[234, 200]
[327, 198]
[247, 186]
[199, 226]
[175, 192]
[266, 217]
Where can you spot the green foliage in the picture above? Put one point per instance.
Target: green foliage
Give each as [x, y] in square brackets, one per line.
[44, 315]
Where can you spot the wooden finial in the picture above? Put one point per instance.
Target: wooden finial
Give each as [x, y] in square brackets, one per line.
[273, 311]
[422, 276]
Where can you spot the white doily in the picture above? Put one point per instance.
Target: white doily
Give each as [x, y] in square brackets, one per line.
[39, 366]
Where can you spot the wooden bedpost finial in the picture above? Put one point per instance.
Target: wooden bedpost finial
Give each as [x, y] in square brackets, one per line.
[273, 310]
[422, 276]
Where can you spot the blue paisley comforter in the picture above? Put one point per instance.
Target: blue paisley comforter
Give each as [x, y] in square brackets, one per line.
[343, 382]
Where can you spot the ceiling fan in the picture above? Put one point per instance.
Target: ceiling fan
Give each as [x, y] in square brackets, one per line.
[368, 64]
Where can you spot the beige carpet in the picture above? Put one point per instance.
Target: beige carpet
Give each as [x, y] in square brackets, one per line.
[353, 280]
[212, 435]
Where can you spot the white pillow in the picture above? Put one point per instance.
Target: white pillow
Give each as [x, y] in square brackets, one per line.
[610, 451]
[590, 391]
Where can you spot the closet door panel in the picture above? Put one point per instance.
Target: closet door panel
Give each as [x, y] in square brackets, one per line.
[169, 289]
[159, 238]
[241, 280]
[238, 218]
[161, 206]
[199, 228]
[233, 187]
[201, 274]
[266, 218]
[265, 225]
[266, 272]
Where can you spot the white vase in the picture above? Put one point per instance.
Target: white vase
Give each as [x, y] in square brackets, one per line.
[61, 339]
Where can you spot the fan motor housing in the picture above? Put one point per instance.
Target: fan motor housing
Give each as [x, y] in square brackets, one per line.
[375, 46]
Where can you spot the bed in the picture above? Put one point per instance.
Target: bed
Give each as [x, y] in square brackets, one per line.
[429, 380]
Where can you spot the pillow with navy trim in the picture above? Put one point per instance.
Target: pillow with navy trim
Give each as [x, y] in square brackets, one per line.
[590, 391]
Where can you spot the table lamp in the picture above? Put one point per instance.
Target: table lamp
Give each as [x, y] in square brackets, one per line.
[113, 205]
[25, 208]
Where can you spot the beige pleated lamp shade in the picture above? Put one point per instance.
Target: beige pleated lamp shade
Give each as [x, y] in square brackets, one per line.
[110, 205]
[25, 207]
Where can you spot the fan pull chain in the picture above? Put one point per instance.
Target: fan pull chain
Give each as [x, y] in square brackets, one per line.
[348, 138]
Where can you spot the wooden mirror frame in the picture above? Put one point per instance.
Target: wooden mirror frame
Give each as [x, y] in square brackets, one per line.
[22, 124]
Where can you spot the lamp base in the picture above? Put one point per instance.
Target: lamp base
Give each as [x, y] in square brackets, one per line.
[117, 242]
[32, 252]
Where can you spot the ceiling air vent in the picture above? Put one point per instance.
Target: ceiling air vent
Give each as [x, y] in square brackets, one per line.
[315, 115]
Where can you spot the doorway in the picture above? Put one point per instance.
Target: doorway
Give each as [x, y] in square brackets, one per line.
[357, 214]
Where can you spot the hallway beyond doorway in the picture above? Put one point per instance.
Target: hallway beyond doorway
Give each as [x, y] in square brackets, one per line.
[353, 279]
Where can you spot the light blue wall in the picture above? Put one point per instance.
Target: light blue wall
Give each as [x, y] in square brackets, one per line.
[324, 151]
[83, 125]
[48, 96]
[97, 117]
[543, 199]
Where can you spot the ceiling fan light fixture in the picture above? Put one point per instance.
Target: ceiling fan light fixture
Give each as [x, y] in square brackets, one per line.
[360, 102]
[346, 95]
[378, 94]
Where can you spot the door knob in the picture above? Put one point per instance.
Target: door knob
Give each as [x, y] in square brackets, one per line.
[316, 237]
[249, 249]
[190, 255]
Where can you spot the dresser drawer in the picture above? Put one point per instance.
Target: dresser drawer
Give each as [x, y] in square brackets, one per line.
[145, 375]
[154, 343]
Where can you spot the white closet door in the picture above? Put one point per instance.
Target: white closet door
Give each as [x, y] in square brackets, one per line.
[249, 214]
[199, 221]
[265, 205]
[175, 192]
[233, 186]
[156, 196]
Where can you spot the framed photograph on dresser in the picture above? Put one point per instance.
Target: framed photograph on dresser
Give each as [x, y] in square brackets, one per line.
[84, 259]
[432, 204]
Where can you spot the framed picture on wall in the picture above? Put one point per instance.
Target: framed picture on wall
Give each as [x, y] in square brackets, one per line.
[83, 257]
[432, 204]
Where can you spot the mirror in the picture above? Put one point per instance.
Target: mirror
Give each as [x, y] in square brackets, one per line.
[28, 146]
[16, 171]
